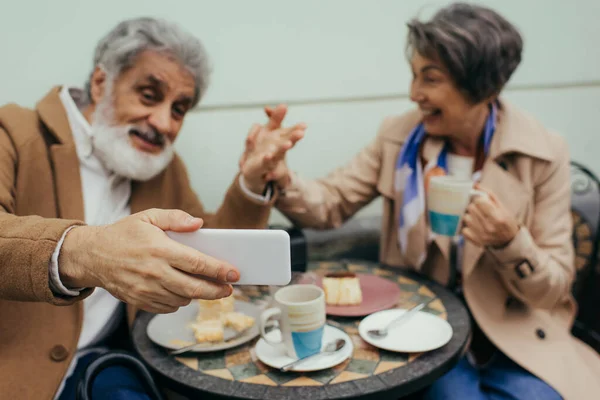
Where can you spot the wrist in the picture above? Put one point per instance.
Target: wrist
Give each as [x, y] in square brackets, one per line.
[255, 186]
[512, 236]
[72, 259]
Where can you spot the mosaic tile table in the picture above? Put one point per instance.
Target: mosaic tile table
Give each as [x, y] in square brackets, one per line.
[369, 373]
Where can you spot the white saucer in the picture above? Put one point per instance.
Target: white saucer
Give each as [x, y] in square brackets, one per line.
[276, 357]
[422, 332]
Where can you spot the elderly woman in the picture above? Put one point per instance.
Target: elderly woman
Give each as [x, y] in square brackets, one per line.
[516, 266]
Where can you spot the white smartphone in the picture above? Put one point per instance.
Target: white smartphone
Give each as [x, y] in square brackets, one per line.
[261, 255]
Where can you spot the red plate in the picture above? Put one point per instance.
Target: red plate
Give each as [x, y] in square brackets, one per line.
[378, 294]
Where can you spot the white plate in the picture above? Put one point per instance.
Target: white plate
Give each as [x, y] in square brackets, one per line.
[276, 357]
[422, 332]
[172, 330]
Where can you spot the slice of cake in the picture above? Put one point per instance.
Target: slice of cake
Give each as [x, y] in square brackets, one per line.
[238, 321]
[208, 331]
[342, 289]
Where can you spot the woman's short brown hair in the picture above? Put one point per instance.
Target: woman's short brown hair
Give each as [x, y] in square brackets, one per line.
[480, 48]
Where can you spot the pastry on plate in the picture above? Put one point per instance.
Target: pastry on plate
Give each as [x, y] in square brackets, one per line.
[216, 315]
[214, 309]
[342, 289]
[208, 331]
[238, 321]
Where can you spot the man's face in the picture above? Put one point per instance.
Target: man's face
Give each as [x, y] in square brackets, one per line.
[139, 114]
[156, 92]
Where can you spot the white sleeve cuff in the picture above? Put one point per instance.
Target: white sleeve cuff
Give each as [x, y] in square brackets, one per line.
[263, 199]
[55, 283]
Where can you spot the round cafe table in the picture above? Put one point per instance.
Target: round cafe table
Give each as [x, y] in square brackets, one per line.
[370, 373]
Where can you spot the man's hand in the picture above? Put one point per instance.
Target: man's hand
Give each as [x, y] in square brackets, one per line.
[263, 159]
[138, 263]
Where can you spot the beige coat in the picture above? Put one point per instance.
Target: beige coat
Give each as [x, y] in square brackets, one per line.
[528, 170]
[40, 196]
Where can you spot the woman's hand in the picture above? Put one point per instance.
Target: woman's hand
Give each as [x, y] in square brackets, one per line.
[488, 223]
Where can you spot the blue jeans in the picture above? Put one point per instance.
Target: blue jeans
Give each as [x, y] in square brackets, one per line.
[113, 383]
[501, 379]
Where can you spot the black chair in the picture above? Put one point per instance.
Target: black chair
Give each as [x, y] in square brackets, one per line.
[356, 239]
[298, 247]
[84, 387]
[585, 210]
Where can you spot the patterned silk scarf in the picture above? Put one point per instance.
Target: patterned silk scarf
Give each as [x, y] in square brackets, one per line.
[409, 180]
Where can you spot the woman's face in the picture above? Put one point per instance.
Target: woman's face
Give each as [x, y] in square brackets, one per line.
[445, 110]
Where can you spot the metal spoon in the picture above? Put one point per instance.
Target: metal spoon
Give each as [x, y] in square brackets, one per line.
[207, 344]
[383, 332]
[329, 348]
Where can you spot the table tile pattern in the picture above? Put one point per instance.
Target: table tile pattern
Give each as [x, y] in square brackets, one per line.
[241, 364]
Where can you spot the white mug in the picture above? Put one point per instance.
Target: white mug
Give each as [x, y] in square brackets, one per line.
[447, 200]
[300, 310]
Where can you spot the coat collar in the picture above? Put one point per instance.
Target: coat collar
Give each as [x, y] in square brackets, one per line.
[512, 194]
[518, 132]
[63, 156]
[52, 113]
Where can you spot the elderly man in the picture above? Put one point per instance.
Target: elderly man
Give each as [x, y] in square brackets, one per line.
[89, 182]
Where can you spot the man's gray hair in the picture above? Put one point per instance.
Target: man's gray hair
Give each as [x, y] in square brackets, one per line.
[480, 48]
[118, 49]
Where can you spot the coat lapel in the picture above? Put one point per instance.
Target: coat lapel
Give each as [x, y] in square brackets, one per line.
[140, 199]
[516, 134]
[67, 181]
[511, 192]
[63, 156]
[151, 194]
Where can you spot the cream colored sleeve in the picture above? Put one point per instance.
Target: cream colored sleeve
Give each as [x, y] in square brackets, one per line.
[328, 202]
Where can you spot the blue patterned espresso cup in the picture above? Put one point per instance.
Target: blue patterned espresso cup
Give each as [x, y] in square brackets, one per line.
[447, 200]
[300, 311]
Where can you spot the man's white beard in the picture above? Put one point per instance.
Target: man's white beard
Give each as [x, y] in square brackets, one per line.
[113, 146]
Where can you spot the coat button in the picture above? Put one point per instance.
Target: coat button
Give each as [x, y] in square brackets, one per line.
[540, 333]
[59, 353]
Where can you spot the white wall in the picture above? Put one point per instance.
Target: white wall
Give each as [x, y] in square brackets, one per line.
[338, 63]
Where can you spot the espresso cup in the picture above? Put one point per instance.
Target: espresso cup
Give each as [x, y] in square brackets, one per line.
[447, 200]
[300, 312]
